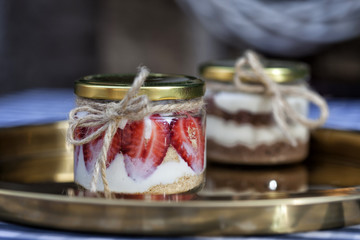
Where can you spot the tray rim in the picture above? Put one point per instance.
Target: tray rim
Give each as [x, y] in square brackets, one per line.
[349, 194]
[235, 207]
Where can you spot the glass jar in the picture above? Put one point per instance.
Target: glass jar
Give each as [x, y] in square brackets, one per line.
[240, 126]
[162, 153]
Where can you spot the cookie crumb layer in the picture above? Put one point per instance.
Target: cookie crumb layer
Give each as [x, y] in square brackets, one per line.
[183, 184]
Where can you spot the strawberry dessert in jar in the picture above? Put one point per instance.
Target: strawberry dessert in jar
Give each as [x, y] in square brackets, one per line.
[139, 134]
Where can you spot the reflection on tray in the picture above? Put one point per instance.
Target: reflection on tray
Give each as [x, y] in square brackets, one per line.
[79, 192]
[232, 180]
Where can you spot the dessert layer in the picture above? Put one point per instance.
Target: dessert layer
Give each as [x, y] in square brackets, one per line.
[232, 102]
[173, 169]
[264, 154]
[240, 116]
[229, 133]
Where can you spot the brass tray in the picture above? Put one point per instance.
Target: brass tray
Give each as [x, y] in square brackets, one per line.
[36, 179]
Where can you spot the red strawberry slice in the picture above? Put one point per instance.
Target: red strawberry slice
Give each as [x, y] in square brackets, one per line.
[188, 139]
[144, 146]
[93, 148]
[79, 134]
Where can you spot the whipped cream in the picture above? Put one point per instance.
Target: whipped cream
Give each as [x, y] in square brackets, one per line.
[229, 133]
[233, 102]
[166, 173]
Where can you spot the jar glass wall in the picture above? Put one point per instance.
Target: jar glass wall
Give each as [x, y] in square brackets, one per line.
[241, 128]
[162, 153]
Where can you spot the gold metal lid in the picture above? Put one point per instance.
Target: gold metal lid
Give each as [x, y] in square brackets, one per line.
[157, 86]
[279, 71]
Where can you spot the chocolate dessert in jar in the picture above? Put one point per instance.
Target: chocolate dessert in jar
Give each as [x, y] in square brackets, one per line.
[257, 111]
[139, 134]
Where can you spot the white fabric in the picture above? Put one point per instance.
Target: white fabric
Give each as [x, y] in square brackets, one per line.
[287, 28]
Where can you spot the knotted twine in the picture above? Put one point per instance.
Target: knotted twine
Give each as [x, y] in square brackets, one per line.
[110, 115]
[249, 67]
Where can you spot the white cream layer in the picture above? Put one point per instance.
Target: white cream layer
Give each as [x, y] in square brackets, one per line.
[232, 102]
[229, 133]
[119, 181]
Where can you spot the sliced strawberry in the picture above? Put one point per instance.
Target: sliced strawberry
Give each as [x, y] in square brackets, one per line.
[93, 148]
[188, 138]
[79, 134]
[115, 147]
[144, 146]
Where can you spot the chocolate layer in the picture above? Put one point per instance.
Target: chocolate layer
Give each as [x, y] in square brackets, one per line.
[276, 153]
[256, 119]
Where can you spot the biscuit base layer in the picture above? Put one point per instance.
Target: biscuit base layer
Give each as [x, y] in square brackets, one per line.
[182, 185]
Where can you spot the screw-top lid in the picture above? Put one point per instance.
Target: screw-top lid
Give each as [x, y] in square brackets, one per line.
[279, 71]
[157, 87]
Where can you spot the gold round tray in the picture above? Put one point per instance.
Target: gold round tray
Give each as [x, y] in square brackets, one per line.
[36, 188]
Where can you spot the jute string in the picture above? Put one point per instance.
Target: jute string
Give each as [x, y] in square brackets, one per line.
[111, 115]
[249, 67]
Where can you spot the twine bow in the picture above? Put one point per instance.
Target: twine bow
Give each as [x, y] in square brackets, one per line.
[114, 114]
[281, 108]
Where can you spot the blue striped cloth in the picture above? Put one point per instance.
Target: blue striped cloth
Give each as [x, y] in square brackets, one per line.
[39, 106]
[36, 106]
[344, 114]
[19, 232]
